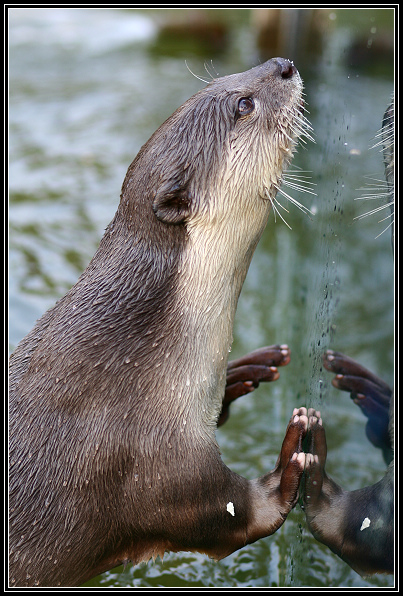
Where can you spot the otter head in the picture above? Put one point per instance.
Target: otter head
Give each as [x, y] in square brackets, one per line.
[223, 152]
[218, 160]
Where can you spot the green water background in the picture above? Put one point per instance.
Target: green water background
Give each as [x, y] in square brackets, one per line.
[87, 89]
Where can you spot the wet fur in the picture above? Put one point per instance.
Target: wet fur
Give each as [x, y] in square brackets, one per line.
[116, 392]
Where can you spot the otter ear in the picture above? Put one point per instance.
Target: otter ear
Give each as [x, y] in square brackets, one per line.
[172, 203]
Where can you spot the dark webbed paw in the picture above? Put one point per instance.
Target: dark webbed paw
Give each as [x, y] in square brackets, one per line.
[276, 493]
[245, 374]
[286, 476]
[366, 390]
[291, 461]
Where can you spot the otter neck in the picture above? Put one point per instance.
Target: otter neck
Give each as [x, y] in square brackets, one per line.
[211, 276]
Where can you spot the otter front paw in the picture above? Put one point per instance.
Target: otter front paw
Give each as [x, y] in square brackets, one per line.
[276, 493]
[291, 461]
[245, 374]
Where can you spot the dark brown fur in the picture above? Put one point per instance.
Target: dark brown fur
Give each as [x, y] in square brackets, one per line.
[116, 392]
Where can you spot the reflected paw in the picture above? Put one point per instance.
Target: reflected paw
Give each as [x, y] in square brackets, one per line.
[368, 391]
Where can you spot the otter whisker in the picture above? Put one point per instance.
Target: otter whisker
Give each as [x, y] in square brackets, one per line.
[298, 187]
[273, 200]
[387, 228]
[376, 210]
[280, 216]
[382, 192]
[378, 182]
[386, 135]
[276, 211]
[297, 171]
[370, 197]
[378, 190]
[291, 139]
[374, 190]
[298, 183]
[213, 68]
[385, 218]
[304, 121]
[292, 200]
[300, 175]
[384, 142]
[197, 77]
[373, 211]
[299, 125]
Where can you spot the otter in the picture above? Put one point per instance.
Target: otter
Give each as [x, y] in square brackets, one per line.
[358, 525]
[116, 392]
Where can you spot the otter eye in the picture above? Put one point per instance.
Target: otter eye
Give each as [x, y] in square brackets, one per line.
[245, 106]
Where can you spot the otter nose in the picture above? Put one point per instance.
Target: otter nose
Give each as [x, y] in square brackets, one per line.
[287, 68]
